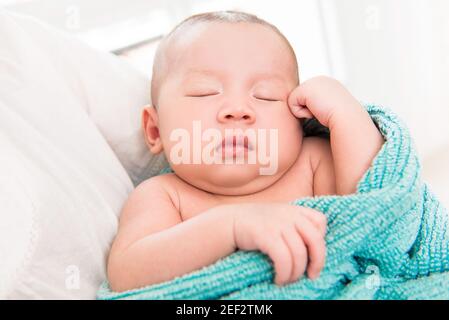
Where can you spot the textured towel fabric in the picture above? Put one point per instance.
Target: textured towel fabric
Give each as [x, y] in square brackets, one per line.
[389, 240]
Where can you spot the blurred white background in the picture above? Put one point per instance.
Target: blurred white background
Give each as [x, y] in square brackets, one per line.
[389, 52]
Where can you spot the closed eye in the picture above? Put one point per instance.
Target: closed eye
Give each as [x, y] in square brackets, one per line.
[199, 95]
[267, 99]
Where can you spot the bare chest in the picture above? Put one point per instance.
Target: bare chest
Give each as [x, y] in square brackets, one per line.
[294, 184]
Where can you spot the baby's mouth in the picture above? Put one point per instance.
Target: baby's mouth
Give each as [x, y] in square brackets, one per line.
[234, 145]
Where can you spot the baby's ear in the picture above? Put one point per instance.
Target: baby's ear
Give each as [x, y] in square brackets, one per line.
[151, 129]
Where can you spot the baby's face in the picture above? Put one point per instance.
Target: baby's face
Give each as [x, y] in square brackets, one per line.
[230, 76]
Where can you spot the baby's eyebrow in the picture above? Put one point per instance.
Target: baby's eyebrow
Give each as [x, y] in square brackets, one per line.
[256, 77]
[269, 76]
[202, 72]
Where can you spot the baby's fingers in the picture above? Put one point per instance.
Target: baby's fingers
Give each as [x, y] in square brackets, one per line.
[316, 247]
[281, 257]
[298, 251]
[298, 104]
[318, 219]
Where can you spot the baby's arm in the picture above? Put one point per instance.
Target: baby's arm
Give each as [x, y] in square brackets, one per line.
[355, 140]
[154, 245]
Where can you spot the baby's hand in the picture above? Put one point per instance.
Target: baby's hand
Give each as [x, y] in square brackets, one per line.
[321, 97]
[292, 236]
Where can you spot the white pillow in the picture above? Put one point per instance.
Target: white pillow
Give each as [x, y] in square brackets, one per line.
[69, 136]
[103, 83]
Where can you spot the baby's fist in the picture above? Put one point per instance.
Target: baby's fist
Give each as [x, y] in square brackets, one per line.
[319, 97]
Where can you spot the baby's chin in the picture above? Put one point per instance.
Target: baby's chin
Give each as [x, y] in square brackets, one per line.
[230, 179]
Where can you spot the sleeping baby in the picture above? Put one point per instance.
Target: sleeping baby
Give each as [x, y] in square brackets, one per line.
[227, 111]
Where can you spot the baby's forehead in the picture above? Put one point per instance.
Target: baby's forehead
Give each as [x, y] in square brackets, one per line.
[187, 36]
[170, 54]
[223, 44]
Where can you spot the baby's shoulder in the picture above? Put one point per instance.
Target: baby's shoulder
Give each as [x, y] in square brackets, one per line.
[164, 185]
[165, 180]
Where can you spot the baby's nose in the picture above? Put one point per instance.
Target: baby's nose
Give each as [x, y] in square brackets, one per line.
[236, 114]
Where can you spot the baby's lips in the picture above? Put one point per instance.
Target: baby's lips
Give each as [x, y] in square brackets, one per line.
[235, 140]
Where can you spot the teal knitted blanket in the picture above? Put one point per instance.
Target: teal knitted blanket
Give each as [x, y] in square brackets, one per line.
[389, 240]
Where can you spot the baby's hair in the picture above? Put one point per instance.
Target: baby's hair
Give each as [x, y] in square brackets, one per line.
[159, 64]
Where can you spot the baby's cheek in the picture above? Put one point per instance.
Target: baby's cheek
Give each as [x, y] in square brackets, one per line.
[294, 129]
[290, 140]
